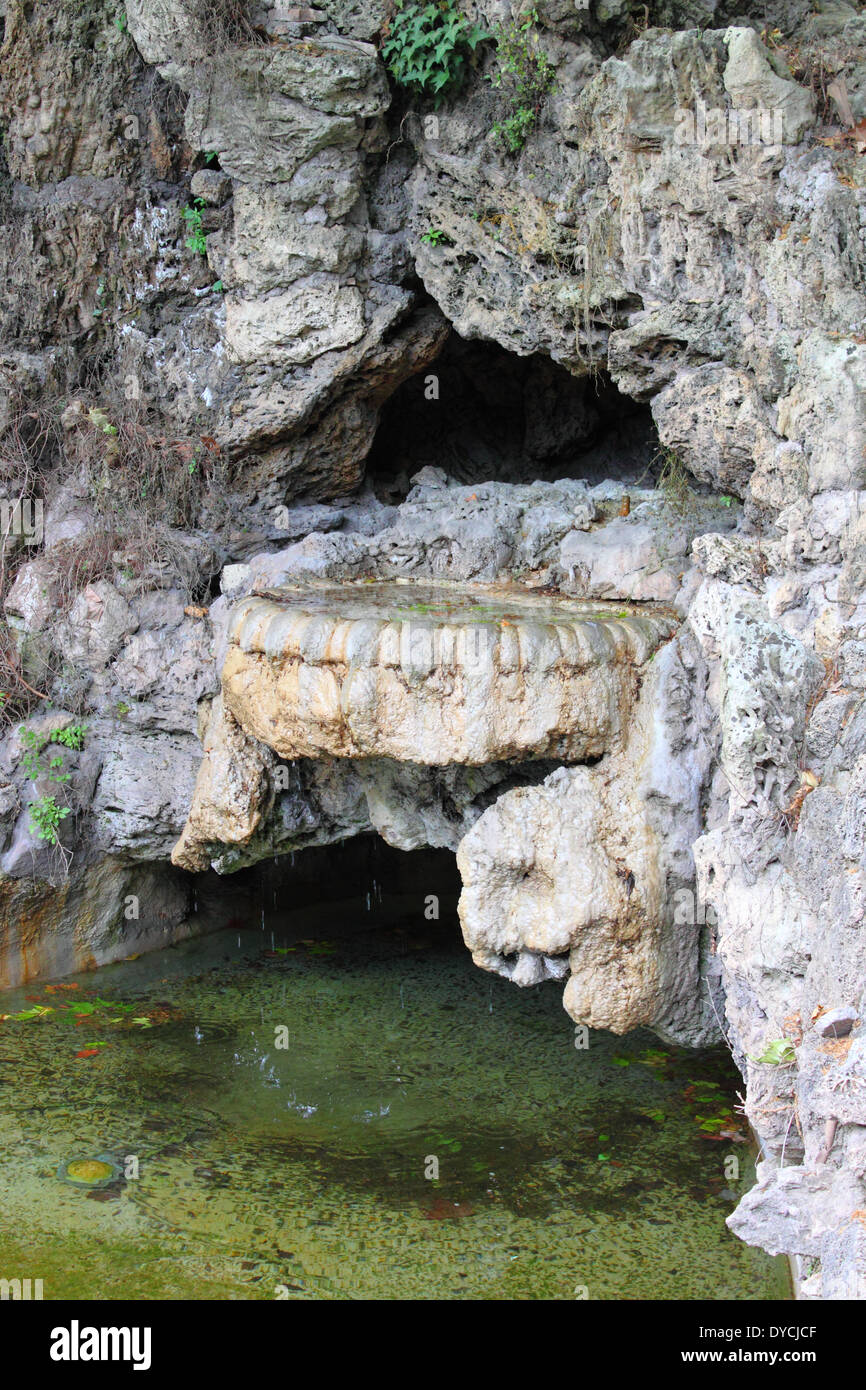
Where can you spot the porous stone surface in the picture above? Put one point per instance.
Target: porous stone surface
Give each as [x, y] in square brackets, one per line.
[633, 245]
[435, 674]
[584, 874]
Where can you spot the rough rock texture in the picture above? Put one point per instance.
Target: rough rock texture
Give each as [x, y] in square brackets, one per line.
[585, 872]
[91, 918]
[435, 675]
[185, 415]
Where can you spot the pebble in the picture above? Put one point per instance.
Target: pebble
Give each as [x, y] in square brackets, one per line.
[836, 1023]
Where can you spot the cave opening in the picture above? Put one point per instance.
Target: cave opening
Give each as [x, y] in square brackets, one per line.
[483, 414]
[362, 881]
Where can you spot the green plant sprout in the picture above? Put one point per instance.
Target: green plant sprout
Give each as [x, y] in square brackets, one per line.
[45, 813]
[435, 237]
[526, 74]
[192, 216]
[779, 1053]
[45, 818]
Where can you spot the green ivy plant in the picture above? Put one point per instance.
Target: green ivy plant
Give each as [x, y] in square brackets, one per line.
[429, 46]
[35, 743]
[525, 75]
[192, 216]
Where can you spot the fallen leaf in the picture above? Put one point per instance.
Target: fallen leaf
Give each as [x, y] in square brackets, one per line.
[857, 134]
[442, 1210]
[838, 91]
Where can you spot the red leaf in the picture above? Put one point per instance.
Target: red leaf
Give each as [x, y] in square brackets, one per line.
[88, 1052]
[441, 1210]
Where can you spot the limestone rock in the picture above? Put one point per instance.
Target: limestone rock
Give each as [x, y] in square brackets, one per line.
[755, 85]
[269, 110]
[781, 1205]
[295, 326]
[768, 678]
[99, 621]
[211, 185]
[232, 791]
[144, 790]
[434, 675]
[87, 920]
[713, 418]
[588, 865]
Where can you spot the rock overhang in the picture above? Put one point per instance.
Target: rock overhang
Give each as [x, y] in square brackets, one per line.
[437, 673]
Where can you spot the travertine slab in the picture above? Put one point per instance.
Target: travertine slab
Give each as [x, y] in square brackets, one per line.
[436, 674]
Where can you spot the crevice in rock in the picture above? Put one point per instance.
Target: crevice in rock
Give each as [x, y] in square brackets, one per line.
[484, 414]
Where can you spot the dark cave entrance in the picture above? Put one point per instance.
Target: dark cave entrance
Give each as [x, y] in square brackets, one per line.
[362, 879]
[483, 414]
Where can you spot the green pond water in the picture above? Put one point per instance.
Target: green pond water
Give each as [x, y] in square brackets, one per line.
[299, 1171]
